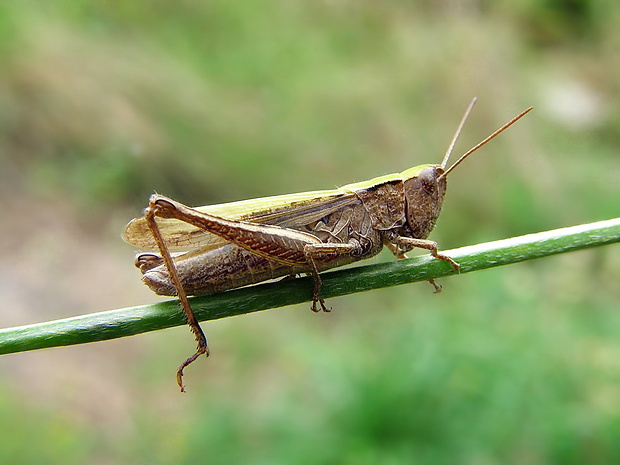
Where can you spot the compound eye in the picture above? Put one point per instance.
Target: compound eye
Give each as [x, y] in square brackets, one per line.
[428, 180]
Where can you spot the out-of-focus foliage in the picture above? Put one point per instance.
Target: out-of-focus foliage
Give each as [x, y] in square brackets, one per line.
[104, 102]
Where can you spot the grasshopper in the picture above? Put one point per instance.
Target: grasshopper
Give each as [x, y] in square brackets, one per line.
[230, 245]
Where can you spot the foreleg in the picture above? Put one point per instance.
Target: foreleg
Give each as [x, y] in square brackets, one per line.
[400, 244]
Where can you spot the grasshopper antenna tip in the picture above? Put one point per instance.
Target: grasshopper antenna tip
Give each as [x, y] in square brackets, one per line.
[480, 144]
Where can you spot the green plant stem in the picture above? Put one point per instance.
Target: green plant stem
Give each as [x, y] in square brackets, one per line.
[135, 320]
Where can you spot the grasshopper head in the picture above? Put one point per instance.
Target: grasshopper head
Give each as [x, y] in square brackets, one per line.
[424, 194]
[425, 185]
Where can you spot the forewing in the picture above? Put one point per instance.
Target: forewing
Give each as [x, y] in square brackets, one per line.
[291, 210]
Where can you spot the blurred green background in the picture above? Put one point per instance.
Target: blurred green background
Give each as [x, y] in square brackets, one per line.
[104, 102]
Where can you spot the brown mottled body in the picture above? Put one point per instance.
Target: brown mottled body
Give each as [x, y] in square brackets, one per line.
[357, 230]
[231, 266]
[233, 245]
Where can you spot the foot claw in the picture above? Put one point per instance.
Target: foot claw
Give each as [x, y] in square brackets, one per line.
[436, 286]
[201, 350]
[323, 308]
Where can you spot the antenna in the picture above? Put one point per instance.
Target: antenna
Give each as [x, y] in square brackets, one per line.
[458, 132]
[480, 144]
